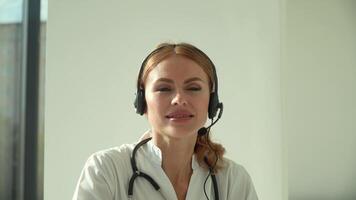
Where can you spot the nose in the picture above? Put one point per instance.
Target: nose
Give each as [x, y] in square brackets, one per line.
[179, 99]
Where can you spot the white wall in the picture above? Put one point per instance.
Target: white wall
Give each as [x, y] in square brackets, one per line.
[94, 52]
[319, 95]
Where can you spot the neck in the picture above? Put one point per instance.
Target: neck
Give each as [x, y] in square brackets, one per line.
[176, 156]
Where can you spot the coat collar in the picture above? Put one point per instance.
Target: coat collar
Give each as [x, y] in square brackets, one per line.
[154, 153]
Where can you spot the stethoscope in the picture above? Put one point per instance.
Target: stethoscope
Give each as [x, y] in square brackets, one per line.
[138, 173]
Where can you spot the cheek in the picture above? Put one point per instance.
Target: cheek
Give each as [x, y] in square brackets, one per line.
[204, 105]
[204, 98]
[154, 105]
[201, 104]
[150, 105]
[151, 111]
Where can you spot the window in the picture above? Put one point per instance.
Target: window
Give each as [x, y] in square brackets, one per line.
[21, 97]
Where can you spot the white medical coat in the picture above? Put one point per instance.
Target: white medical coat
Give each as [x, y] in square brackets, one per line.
[106, 175]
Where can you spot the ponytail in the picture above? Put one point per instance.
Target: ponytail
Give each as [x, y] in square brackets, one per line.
[204, 147]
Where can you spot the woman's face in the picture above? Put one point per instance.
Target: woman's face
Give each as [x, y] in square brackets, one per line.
[177, 96]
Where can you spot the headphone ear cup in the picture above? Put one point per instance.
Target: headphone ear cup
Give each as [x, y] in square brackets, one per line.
[213, 105]
[140, 102]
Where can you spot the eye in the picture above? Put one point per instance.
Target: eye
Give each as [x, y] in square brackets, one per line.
[194, 88]
[164, 89]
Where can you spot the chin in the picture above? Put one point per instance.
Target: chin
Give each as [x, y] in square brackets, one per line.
[181, 132]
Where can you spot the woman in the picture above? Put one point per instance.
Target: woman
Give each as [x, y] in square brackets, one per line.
[176, 90]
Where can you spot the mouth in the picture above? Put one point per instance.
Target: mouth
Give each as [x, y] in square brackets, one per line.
[179, 116]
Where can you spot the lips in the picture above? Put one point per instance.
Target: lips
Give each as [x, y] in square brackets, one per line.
[179, 114]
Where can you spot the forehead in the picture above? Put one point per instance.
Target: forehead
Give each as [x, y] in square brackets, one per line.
[177, 68]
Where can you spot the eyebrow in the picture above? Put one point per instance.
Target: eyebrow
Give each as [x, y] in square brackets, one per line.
[185, 82]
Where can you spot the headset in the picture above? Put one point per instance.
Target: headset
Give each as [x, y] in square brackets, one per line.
[140, 105]
[140, 101]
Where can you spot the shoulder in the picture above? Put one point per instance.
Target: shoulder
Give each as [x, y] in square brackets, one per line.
[237, 181]
[234, 170]
[114, 155]
[110, 165]
[104, 173]
[111, 162]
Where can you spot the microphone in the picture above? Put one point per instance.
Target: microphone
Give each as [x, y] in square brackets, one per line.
[202, 131]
